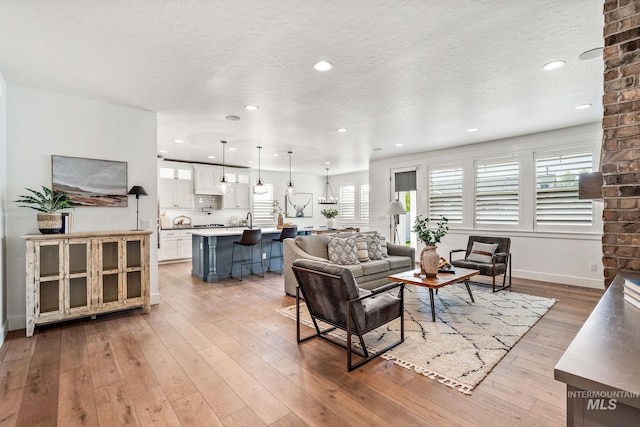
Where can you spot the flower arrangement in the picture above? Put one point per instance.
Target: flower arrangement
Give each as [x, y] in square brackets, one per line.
[329, 213]
[425, 234]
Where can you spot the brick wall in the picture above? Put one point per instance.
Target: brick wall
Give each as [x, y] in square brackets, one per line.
[621, 138]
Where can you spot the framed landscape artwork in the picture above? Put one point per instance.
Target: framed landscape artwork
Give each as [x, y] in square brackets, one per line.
[90, 182]
[298, 206]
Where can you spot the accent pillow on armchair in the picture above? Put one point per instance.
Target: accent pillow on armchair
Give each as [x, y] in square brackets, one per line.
[482, 252]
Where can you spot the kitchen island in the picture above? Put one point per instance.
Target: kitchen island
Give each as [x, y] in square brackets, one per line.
[211, 253]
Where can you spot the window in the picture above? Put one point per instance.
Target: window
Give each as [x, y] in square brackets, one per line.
[557, 200]
[347, 206]
[263, 205]
[364, 202]
[445, 194]
[497, 187]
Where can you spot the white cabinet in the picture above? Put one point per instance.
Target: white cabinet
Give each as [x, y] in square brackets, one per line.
[175, 187]
[207, 179]
[239, 197]
[174, 245]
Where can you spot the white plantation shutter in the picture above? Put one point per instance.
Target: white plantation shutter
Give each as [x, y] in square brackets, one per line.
[364, 202]
[445, 194]
[347, 206]
[497, 192]
[263, 205]
[557, 200]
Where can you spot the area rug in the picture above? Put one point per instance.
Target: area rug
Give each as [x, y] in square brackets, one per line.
[466, 341]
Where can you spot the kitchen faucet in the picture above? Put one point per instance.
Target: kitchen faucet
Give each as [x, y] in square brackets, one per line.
[250, 219]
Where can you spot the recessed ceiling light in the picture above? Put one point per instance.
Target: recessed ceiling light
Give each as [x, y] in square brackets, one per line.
[582, 106]
[591, 53]
[251, 107]
[232, 148]
[398, 145]
[162, 151]
[322, 66]
[250, 161]
[553, 65]
[211, 157]
[327, 163]
[341, 130]
[233, 118]
[275, 155]
[178, 141]
[472, 130]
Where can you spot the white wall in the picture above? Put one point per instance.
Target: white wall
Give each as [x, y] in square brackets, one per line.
[3, 208]
[561, 257]
[40, 124]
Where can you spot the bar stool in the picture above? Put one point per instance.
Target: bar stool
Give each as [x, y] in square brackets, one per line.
[249, 238]
[286, 233]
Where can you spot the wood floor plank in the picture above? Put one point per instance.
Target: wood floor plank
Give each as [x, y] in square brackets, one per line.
[10, 401]
[193, 411]
[76, 404]
[220, 354]
[114, 405]
[104, 367]
[266, 406]
[153, 408]
[216, 392]
[39, 405]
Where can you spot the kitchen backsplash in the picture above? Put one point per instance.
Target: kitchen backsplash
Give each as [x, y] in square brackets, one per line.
[208, 210]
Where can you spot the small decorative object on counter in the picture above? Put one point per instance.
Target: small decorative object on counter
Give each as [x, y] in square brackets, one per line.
[330, 215]
[429, 258]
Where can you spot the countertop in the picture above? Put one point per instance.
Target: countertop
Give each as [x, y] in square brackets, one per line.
[233, 231]
[604, 354]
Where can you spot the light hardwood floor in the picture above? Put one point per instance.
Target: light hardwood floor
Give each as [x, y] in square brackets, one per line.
[219, 354]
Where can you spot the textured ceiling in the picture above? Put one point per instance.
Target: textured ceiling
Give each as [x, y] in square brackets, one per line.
[415, 72]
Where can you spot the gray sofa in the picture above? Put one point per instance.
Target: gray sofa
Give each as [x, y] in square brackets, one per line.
[368, 275]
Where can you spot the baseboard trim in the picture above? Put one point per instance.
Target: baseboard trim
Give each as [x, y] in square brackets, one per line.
[558, 278]
[155, 298]
[4, 331]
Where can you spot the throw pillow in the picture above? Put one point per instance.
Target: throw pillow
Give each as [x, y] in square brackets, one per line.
[383, 246]
[482, 252]
[342, 251]
[362, 248]
[373, 245]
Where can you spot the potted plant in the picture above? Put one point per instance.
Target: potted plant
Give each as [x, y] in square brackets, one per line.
[330, 215]
[429, 258]
[277, 210]
[47, 203]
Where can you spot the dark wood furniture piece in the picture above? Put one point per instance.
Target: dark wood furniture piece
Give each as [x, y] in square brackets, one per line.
[443, 279]
[333, 297]
[601, 365]
[500, 261]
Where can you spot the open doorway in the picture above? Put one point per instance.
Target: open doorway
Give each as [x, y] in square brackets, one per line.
[404, 190]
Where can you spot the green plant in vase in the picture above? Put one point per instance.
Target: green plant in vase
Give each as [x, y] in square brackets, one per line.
[48, 204]
[429, 258]
[330, 215]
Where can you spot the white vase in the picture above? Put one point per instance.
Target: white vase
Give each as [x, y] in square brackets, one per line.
[429, 261]
[331, 223]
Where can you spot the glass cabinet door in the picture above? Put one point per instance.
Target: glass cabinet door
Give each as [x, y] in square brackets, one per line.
[78, 287]
[133, 269]
[49, 277]
[110, 254]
